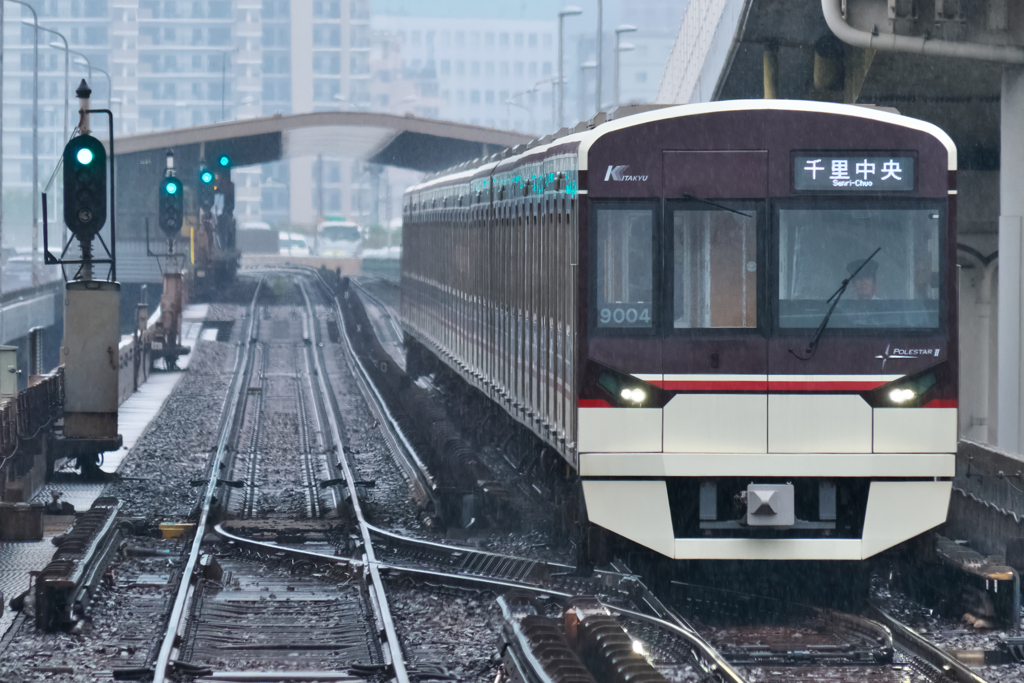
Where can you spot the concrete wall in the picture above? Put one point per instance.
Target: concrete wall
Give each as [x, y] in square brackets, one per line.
[977, 225]
[987, 507]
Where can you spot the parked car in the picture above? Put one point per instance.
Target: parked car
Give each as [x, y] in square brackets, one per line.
[293, 244]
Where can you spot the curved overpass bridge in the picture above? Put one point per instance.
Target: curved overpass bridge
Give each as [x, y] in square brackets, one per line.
[404, 141]
[387, 139]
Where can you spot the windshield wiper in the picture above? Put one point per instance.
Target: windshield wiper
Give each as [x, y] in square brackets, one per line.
[812, 345]
[717, 206]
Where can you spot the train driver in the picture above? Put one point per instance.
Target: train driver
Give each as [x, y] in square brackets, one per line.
[865, 284]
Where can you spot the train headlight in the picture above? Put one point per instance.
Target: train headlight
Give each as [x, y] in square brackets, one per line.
[634, 395]
[902, 395]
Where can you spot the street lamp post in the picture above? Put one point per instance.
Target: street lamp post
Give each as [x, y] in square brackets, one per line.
[570, 11]
[1, 149]
[84, 61]
[600, 62]
[584, 67]
[67, 66]
[117, 101]
[619, 48]
[64, 140]
[35, 134]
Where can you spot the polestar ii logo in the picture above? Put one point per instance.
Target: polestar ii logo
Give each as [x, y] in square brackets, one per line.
[905, 353]
[618, 173]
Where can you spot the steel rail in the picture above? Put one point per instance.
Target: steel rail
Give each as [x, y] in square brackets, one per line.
[251, 484]
[383, 307]
[390, 633]
[717, 664]
[308, 453]
[413, 468]
[680, 627]
[922, 648]
[178, 612]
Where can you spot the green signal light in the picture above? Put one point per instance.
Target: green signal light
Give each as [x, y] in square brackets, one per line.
[171, 188]
[85, 156]
[206, 177]
[224, 160]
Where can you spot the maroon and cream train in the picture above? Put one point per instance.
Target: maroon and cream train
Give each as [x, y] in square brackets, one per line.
[736, 321]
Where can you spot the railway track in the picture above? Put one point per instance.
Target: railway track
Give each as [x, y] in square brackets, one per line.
[762, 635]
[311, 612]
[296, 619]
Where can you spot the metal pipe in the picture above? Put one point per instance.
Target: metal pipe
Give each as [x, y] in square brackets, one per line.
[891, 42]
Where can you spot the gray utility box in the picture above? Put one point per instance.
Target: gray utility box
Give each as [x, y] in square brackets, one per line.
[90, 357]
[21, 522]
[771, 505]
[8, 372]
[256, 241]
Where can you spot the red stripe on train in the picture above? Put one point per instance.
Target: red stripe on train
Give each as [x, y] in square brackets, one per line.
[825, 386]
[701, 385]
[813, 387]
[942, 403]
[594, 403]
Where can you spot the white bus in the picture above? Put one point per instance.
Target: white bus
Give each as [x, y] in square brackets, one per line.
[341, 239]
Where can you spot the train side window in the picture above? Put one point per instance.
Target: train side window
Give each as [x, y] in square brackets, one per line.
[714, 279]
[625, 271]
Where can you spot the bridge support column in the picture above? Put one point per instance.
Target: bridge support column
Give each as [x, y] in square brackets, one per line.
[1011, 257]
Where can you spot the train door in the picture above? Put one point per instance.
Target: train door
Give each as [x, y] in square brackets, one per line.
[715, 352]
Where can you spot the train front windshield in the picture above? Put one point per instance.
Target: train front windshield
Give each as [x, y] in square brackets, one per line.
[889, 255]
[712, 253]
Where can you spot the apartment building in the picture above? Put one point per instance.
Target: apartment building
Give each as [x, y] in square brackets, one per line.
[494, 67]
[178, 63]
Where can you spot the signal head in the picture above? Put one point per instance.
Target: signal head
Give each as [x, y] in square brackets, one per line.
[171, 206]
[224, 160]
[85, 186]
[206, 187]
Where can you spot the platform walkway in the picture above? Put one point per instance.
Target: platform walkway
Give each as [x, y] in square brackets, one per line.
[133, 418]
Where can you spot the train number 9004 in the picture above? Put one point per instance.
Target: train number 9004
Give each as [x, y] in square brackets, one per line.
[624, 315]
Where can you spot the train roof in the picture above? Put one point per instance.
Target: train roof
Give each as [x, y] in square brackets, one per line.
[581, 141]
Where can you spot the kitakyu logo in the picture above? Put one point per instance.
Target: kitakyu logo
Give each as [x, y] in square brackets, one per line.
[618, 173]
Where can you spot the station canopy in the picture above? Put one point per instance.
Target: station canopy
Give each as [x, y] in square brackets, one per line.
[392, 140]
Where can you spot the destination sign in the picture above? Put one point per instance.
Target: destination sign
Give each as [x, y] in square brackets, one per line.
[825, 173]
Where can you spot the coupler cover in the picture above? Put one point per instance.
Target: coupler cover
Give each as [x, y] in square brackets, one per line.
[771, 505]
